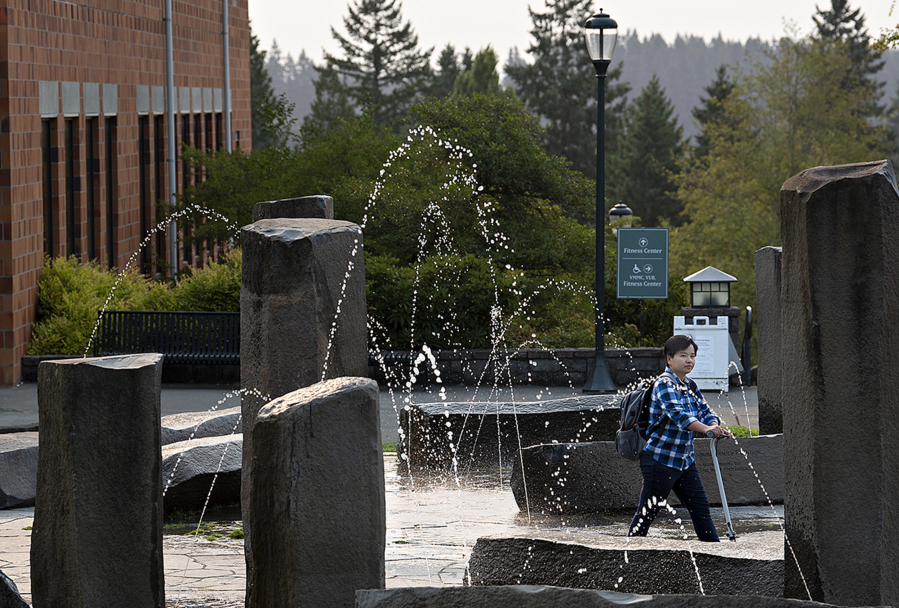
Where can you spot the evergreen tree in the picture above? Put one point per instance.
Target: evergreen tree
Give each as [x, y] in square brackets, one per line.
[382, 64]
[447, 70]
[841, 25]
[650, 150]
[711, 109]
[560, 85]
[261, 92]
[482, 77]
[332, 102]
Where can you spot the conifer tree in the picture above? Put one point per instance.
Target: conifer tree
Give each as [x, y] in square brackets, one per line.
[711, 110]
[447, 70]
[332, 102]
[482, 77]
[842, 25]
[560, 85]
[649, 152]
[381, 63]
[261, 92]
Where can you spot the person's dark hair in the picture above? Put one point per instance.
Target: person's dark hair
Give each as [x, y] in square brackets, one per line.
[675, 344]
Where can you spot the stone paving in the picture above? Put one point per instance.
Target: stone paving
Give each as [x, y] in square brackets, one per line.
[432, 525]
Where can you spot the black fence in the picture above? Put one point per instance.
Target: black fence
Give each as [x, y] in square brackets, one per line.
[181, 337]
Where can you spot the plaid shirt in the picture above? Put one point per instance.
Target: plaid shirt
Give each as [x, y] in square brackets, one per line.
[675, 405]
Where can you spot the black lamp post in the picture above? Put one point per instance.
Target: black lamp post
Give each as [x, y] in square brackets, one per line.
[601, 32]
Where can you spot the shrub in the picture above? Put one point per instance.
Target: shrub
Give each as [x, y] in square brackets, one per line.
[70, 294]
[213, 288]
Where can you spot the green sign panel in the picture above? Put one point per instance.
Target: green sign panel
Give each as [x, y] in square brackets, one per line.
[642, 263]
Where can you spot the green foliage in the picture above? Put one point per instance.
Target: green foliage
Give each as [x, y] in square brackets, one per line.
[642, 174]
[457, 300]
[213, 288]
[381, 63]
[711, 108]
[482, 77]
[261, 92]
[788, 112]
[234, 182]
[534, 194]
[559, 85]
[444, 79]
[742, 431]
[389, 447]
[70, 294]
[332, 101]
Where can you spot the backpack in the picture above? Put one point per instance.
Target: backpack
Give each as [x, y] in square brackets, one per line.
[631, 435]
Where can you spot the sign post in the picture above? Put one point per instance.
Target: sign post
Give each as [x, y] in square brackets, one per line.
[642, 263]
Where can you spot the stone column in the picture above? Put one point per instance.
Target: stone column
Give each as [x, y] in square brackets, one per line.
[97, 538]
[318, 477]
[840, 280]
[302, 318]
[767, 291]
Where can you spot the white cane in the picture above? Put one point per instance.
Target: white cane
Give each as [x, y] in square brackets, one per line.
[730, 528]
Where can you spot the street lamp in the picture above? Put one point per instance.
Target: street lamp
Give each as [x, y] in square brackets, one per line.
[601, 33]
[620, 216]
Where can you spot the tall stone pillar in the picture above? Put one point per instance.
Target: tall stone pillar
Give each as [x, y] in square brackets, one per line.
[840, 286]
[767, 292]
[97, 538]
[302, 319]
[319, 479]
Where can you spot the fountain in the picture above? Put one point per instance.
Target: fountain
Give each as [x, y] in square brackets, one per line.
[307, 246]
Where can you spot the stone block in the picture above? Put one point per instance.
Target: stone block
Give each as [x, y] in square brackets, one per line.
[303, 315]
[488, 434]
[767, 290]
[840, 324]
[651, 566]
[319, 207]
[18, 469]
[538, 596]
[319, 480]
[97, 538]
[181, 427]
[572, 478]
[190, 467]
[9, 594]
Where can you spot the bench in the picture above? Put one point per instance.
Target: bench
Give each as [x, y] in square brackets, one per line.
[181, 337]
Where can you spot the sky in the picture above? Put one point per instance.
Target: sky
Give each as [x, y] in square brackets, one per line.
[503, 24]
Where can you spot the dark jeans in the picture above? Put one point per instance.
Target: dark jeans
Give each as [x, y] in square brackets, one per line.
[658, 482]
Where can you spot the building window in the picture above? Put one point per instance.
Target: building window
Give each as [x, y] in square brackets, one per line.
[210, 145]
[71, 188]
[185, 184]
[110, 191]
[92, 174]
[47, 152]
[161, 198]
[219, 136]
[143, 153]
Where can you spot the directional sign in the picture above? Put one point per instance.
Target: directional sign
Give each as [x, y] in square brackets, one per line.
[642, 263]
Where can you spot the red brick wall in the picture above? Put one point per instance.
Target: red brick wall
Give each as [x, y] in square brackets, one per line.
[96, 41]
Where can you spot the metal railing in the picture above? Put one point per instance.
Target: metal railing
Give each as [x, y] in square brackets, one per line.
[181, 337]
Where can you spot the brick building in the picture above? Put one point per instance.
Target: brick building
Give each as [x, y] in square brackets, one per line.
[84, 135]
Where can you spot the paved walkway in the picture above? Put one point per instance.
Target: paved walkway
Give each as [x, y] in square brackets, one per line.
[18, 405]
[432, 525]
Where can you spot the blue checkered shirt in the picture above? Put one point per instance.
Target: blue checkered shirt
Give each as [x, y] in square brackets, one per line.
[675, 405]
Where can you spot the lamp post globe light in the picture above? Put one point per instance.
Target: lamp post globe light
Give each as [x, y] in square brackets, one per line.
[620, 216]
[601, 33]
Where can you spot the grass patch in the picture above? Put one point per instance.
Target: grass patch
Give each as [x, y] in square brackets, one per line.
[742, 431]
[390, 446]
[236, 534]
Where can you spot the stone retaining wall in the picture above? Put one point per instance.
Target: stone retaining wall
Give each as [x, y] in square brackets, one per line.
[542, 367]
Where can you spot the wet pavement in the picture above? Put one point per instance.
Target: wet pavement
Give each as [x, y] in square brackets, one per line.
[432, 524]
